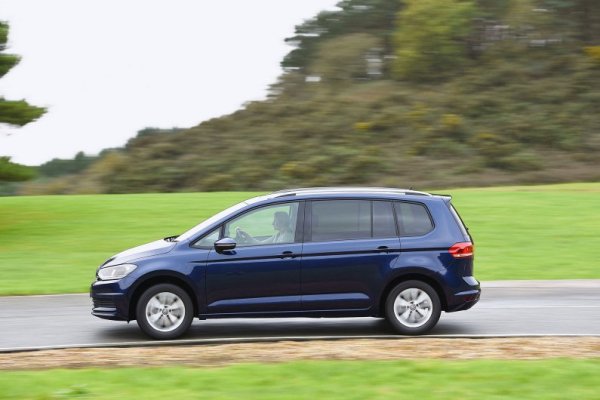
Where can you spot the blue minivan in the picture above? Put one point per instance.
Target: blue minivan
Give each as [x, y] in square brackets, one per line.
[316, 252]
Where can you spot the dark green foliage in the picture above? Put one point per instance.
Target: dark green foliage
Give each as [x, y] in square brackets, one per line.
[59, 167]
[374, 17]
[342, 59]
[582, 17]
[146, 134]
[16, 113]
[12, 172]
[19, 112]
[3, 34]
[431, 38]
[7, 61]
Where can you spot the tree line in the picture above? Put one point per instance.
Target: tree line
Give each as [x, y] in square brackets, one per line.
[427, 93]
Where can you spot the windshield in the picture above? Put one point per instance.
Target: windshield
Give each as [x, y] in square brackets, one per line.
[206, 223]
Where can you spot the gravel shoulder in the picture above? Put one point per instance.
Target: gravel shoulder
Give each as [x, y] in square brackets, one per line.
[358, 349]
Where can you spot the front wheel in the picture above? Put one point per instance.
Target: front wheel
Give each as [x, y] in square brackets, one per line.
[413, 308]
[164, 311]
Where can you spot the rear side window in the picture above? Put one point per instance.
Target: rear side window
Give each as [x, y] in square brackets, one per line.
[340, 219]
[413, 219]
[384, 224]
[351, 219]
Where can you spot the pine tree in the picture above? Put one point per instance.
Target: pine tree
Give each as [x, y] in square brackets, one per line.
[14, 112]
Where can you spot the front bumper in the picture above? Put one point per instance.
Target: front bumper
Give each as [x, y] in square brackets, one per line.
[109, 302]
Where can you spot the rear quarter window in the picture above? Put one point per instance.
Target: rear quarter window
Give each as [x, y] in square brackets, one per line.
[459, 221]
[413, 219]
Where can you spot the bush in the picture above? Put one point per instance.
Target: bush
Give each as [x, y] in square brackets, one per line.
[493, 148]
[593, 52]
[520, 162]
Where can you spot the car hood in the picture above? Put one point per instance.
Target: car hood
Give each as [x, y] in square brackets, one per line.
[146, 250]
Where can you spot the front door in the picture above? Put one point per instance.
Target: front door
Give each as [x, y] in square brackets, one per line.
[262, 274]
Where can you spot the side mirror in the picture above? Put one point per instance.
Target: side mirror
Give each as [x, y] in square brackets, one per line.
[225, 244]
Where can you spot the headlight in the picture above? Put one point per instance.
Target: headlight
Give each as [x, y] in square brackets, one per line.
[115, 272]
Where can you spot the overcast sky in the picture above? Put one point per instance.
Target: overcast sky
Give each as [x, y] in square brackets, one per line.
[108, 68]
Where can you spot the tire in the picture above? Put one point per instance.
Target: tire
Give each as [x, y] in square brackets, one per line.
[406, 315]
[164, 311]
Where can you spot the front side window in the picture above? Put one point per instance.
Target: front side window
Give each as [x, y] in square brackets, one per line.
[266, 225]
[413, 219]
[340, 220]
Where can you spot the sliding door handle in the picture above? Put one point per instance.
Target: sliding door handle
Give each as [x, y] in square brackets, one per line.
[287, 254]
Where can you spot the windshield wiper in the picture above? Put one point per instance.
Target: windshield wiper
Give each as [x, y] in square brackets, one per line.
[171, 238]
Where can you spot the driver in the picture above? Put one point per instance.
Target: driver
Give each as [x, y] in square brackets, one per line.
[283, 232]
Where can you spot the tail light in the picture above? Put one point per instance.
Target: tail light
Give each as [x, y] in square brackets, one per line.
[462, 250]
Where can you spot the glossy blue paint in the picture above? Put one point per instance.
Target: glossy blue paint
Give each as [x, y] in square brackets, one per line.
[334, 278]
[346, 274]
[254, 279]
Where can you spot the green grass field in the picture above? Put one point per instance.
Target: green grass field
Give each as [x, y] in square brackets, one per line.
[53, 244]
[479, 379]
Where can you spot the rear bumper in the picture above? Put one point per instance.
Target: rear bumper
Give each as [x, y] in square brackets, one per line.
[466, 298]
[108, 302]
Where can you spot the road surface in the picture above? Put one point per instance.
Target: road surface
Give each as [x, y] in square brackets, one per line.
[518, 308]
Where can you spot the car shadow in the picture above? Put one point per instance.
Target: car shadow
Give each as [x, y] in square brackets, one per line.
[289, 327]
[283, 328]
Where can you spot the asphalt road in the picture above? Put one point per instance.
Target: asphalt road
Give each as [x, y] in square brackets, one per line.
[519, 308]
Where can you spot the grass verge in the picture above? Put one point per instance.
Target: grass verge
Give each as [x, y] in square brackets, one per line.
[488, 379]
[53, 244]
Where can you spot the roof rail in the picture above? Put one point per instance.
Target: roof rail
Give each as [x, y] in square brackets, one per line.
[362, 189]
[442, 195]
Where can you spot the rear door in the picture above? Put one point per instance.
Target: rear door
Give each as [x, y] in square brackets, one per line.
[349, 245]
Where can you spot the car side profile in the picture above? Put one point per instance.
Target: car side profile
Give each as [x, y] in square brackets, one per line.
[316, 252]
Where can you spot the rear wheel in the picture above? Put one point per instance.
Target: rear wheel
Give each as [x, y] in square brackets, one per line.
[164, 311]
[413, 308]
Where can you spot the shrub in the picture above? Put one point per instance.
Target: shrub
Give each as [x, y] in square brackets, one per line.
[493, 148]
[363, 126]
[520, 162]
[593, 52]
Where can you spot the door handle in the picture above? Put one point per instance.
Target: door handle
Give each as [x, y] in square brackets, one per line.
[287, 254]
[383, 248]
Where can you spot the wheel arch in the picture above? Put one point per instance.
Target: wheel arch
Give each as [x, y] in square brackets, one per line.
[159, 277]
[409, 277]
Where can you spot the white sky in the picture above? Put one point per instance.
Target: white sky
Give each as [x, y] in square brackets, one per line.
[108, 68]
